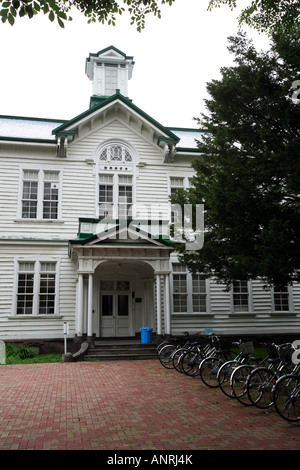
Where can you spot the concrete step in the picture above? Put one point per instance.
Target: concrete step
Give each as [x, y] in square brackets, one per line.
[120, 350]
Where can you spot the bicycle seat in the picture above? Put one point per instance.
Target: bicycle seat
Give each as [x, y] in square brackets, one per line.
[273, 360]
[255, 358]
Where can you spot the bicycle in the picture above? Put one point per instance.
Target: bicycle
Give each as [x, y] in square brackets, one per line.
[173, 341]
[225, 371]
[190, 360]
[188, 347]
[240, 376]
[262, 380]
[210, 366]
[168, 351]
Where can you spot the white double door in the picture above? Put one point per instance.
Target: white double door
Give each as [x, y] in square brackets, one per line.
[115, 308]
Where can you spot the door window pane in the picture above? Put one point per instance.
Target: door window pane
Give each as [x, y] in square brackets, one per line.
[107, 305]
[123, 305]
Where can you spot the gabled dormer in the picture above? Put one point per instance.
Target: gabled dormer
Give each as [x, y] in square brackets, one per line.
[109, 70]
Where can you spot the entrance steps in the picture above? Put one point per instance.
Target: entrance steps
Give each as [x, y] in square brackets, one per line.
[120, 350]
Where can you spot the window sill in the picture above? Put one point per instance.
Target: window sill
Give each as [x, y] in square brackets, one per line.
[242, 314]
[283, 313]
[40, 221]
[35, 317]
[203, 314]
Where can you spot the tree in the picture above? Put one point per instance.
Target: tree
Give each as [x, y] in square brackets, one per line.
[248, 173]
[267, 16]
[104, 11]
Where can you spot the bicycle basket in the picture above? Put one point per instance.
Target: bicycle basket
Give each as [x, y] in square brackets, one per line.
[285, 352]
[247, 348]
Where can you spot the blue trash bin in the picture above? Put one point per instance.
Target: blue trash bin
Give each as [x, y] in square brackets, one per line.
[146, 335]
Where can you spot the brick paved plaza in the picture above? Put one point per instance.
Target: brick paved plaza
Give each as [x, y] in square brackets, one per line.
[130, 405]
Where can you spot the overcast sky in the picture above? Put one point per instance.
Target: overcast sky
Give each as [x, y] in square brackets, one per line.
[43, 65]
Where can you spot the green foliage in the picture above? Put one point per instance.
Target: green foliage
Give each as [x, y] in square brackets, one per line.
[38, 359]
[248, 174]
[104, 11]
[21, 352]
[269, 16]
[25, 355]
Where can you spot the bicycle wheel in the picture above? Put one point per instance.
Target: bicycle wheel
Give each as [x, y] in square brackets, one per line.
[208, 371]
[177, 356]
[260, 387]
[286, 397]
[224, 375]
[239, 379]
[160, 346]
[190, 362]
[166, 356]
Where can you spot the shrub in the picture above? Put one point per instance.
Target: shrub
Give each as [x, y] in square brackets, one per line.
[22, 352]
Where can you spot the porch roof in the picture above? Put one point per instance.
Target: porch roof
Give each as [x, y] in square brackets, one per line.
[122, 232]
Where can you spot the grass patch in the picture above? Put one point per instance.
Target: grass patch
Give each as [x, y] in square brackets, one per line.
[26, 355]
[38, 359]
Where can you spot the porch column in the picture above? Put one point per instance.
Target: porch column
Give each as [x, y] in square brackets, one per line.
[90, 308]
[158, 304]
[79, 331]
[167, 304]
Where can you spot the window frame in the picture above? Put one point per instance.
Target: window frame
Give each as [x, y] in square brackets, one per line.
[37, 272]
[190, 293]
[289, 293]
[41, 201]
[234, 307]
[116, 169]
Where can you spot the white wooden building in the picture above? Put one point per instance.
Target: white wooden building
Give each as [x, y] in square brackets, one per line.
[68, 255]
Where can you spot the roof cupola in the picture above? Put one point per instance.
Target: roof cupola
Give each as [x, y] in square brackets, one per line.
[109, 70]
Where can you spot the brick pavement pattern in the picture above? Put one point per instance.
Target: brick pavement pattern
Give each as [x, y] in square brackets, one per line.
[130, 405]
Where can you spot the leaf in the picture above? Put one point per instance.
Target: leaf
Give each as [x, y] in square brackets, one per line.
[29, 11]
[51, 16]
[6, 4]
[60, 22]
[11, 19]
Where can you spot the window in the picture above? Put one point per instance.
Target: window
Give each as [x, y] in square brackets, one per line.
[116, 182]
[106, 197]
[30, 195]
[190, 291]
[36, 288]
[125, 196]
[25, 288]
[199, 293]
[281, 298]
[111, 78]
[40, 194]
[179, 288]
[47, 289]
[175, 184]
[50, 201]
[115, 153]
[240, 296]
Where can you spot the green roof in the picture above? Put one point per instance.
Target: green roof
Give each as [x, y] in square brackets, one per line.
[126, 101]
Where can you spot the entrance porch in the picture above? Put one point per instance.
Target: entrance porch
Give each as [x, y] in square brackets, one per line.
[122, 286]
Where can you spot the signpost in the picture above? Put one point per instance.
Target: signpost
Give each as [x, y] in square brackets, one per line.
[66, 332]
